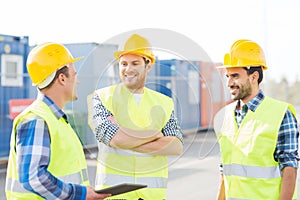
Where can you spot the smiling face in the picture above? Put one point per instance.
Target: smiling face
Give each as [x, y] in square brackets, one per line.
[241, 85]
[133, 72]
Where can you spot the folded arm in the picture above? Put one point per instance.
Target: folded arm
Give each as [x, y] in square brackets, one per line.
[129, 139]
[108, 131]
[168, 145]
[167, 142]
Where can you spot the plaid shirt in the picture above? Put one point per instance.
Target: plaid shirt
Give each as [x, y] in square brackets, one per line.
[286, 151]
[33, 157]
[105, 130]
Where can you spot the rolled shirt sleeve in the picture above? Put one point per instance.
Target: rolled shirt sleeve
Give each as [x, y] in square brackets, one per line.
[103, 129]
[172, 128]
[286, 152]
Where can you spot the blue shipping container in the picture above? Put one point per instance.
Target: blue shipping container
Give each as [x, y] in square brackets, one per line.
[14, 82]
[180, 80]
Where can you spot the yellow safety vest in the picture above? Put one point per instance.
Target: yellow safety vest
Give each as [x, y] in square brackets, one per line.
[118, 166]
[67, 161]
[249, 168]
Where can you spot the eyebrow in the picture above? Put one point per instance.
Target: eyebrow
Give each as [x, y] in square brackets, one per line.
[136, 61]
[233, 74]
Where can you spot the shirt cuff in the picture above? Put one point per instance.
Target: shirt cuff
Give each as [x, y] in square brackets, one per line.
[105, 134]
[79, 192]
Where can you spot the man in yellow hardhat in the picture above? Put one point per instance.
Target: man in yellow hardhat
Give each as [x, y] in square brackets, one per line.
[46, 158]
[258, 135]
[135, 126]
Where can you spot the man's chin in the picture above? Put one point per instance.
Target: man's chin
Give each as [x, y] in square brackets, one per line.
[130, 85]
[234, 97]
[74, 98]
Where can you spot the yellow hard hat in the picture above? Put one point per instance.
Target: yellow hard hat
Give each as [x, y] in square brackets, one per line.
[137, 45]
[47, 58]
[245, 53]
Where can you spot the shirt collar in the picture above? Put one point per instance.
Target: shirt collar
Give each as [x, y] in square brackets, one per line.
[255, 102]
[53, 107]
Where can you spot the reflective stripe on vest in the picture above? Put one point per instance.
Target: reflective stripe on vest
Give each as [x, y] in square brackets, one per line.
[67, 160]
[77, 178]
[244, 199]
[151, 182]
[125, 152]
[16, 186]
[118, 165]
[250, 171]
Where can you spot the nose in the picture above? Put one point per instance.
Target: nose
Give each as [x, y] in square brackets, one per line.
[230, 82]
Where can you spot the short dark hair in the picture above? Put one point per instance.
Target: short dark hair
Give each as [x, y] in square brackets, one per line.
[251, 70]
[147, 61]
[64, 70]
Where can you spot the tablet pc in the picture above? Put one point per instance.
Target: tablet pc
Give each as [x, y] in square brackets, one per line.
[121, 188]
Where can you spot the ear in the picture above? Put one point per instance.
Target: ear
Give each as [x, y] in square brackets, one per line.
[149, 67]
[255, 76]
[61, 79]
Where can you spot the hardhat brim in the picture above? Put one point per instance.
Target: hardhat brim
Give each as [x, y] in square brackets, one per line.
[119, 54]
[232, 66]
[78, 58]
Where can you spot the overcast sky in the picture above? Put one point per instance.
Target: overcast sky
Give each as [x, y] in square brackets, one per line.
[212, 24]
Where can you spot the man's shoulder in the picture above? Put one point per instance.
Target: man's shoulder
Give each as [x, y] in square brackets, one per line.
[275, 101]
[281, 104]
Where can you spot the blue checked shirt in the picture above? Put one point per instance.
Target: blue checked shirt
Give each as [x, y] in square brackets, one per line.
[286, 151]
[105, 130]
[33, 157]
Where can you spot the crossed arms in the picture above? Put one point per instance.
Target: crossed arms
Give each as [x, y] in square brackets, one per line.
[168, 141]
[148, 141]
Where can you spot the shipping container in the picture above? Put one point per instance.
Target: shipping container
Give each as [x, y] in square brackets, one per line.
[196, 88]
[180, 80]
[212, 91]
[14, 82]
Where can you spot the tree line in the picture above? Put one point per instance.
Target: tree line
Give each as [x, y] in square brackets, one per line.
[283, 90]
